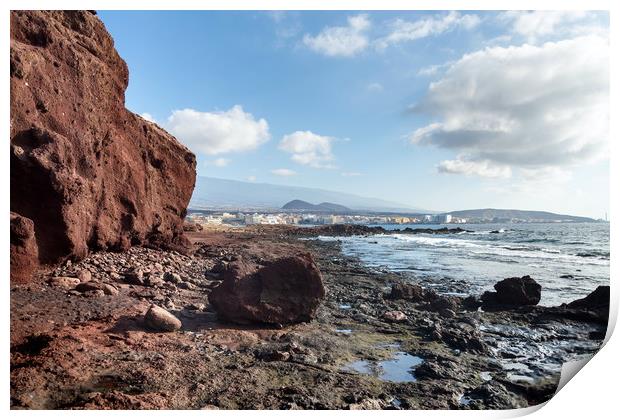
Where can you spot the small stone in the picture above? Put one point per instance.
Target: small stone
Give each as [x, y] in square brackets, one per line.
[135, 276]
[110, 290]
[159, 319]
[85, 276]
[87, 287]
[367, 404]
[197, 306]
[395, 316]
[172, 277]
[64, 282]
[186, 285]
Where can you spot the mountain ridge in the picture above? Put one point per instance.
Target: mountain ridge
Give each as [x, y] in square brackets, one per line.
[325, 206]
[212, 192]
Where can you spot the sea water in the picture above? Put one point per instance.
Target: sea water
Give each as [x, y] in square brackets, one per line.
[568, 259]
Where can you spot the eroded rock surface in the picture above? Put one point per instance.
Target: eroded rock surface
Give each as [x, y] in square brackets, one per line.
[283, 290]
[87, 172]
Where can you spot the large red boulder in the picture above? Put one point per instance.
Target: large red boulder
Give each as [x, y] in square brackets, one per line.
[24, 251]
[282, 290]
[87, 172]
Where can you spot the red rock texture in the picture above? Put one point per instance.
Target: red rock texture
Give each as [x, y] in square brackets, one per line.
[282, 290]
[87, 172]
[24, 251]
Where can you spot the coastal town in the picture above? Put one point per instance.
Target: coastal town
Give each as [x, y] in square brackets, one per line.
[211, 218]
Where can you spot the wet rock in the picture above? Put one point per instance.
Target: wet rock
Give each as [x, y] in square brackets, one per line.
[471, 303]
[513, 292]
[281, 290]
[395, 316]
[444, 303]
[161, 320]
[67, 283]
[407, 291]
[596, 302]
[88, 173]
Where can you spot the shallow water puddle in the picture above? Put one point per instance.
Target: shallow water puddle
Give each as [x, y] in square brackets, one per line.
[345, 306]
[396, 369]
[344, 331]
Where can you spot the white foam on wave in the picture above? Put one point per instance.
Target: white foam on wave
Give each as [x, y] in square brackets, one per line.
[504, 250]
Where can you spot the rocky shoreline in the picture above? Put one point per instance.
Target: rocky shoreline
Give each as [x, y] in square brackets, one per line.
[80, 338]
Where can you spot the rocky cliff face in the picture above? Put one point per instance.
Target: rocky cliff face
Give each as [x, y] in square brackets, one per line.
[86, 172]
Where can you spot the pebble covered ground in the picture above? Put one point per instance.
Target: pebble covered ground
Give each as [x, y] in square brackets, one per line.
[80, 340]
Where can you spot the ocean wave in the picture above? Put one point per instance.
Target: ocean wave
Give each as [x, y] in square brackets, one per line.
[506, 250]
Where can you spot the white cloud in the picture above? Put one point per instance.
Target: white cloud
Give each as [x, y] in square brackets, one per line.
[402, 30]
[483, 168]
[529, 106]
[308, 148]
[351, 174]
[214, 133]
[251, 178]
[374, 87]
[343, 41]
[538, 23]
[434, 69]
[283, 172]
[148, 117]
[220, 162]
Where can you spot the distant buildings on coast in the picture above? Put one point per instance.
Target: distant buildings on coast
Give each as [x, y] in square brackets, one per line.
[296, 218]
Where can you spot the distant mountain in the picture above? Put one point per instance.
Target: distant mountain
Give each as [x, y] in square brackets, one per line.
[304, 205]
[228, 194]
[517, 214]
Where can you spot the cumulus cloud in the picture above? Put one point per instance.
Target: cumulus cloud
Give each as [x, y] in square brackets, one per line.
[402, 30]
[251, 178]
[283, 172]
[343, 41]
[528, 107]
[307, 148]
[214, 133]
[351, 174]
[483, 168]
[541, 23]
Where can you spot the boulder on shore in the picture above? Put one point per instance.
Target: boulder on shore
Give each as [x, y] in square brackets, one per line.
[513, 292]
[596, 302]
[407, 291]
[280, 290]
[86, 173]
[160, 319]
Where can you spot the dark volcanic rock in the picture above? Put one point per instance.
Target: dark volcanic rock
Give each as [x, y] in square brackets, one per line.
[24, 252]
[278, 291]
[596, 302]
[88, 173]
[411, 292]
[513, 291]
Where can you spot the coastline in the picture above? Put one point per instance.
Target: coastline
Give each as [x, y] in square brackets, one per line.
[103, 357]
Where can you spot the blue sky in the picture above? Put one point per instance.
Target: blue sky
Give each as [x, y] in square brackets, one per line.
[438, 110]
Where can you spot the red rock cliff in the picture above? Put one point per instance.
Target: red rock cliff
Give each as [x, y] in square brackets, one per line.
[87, 172]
